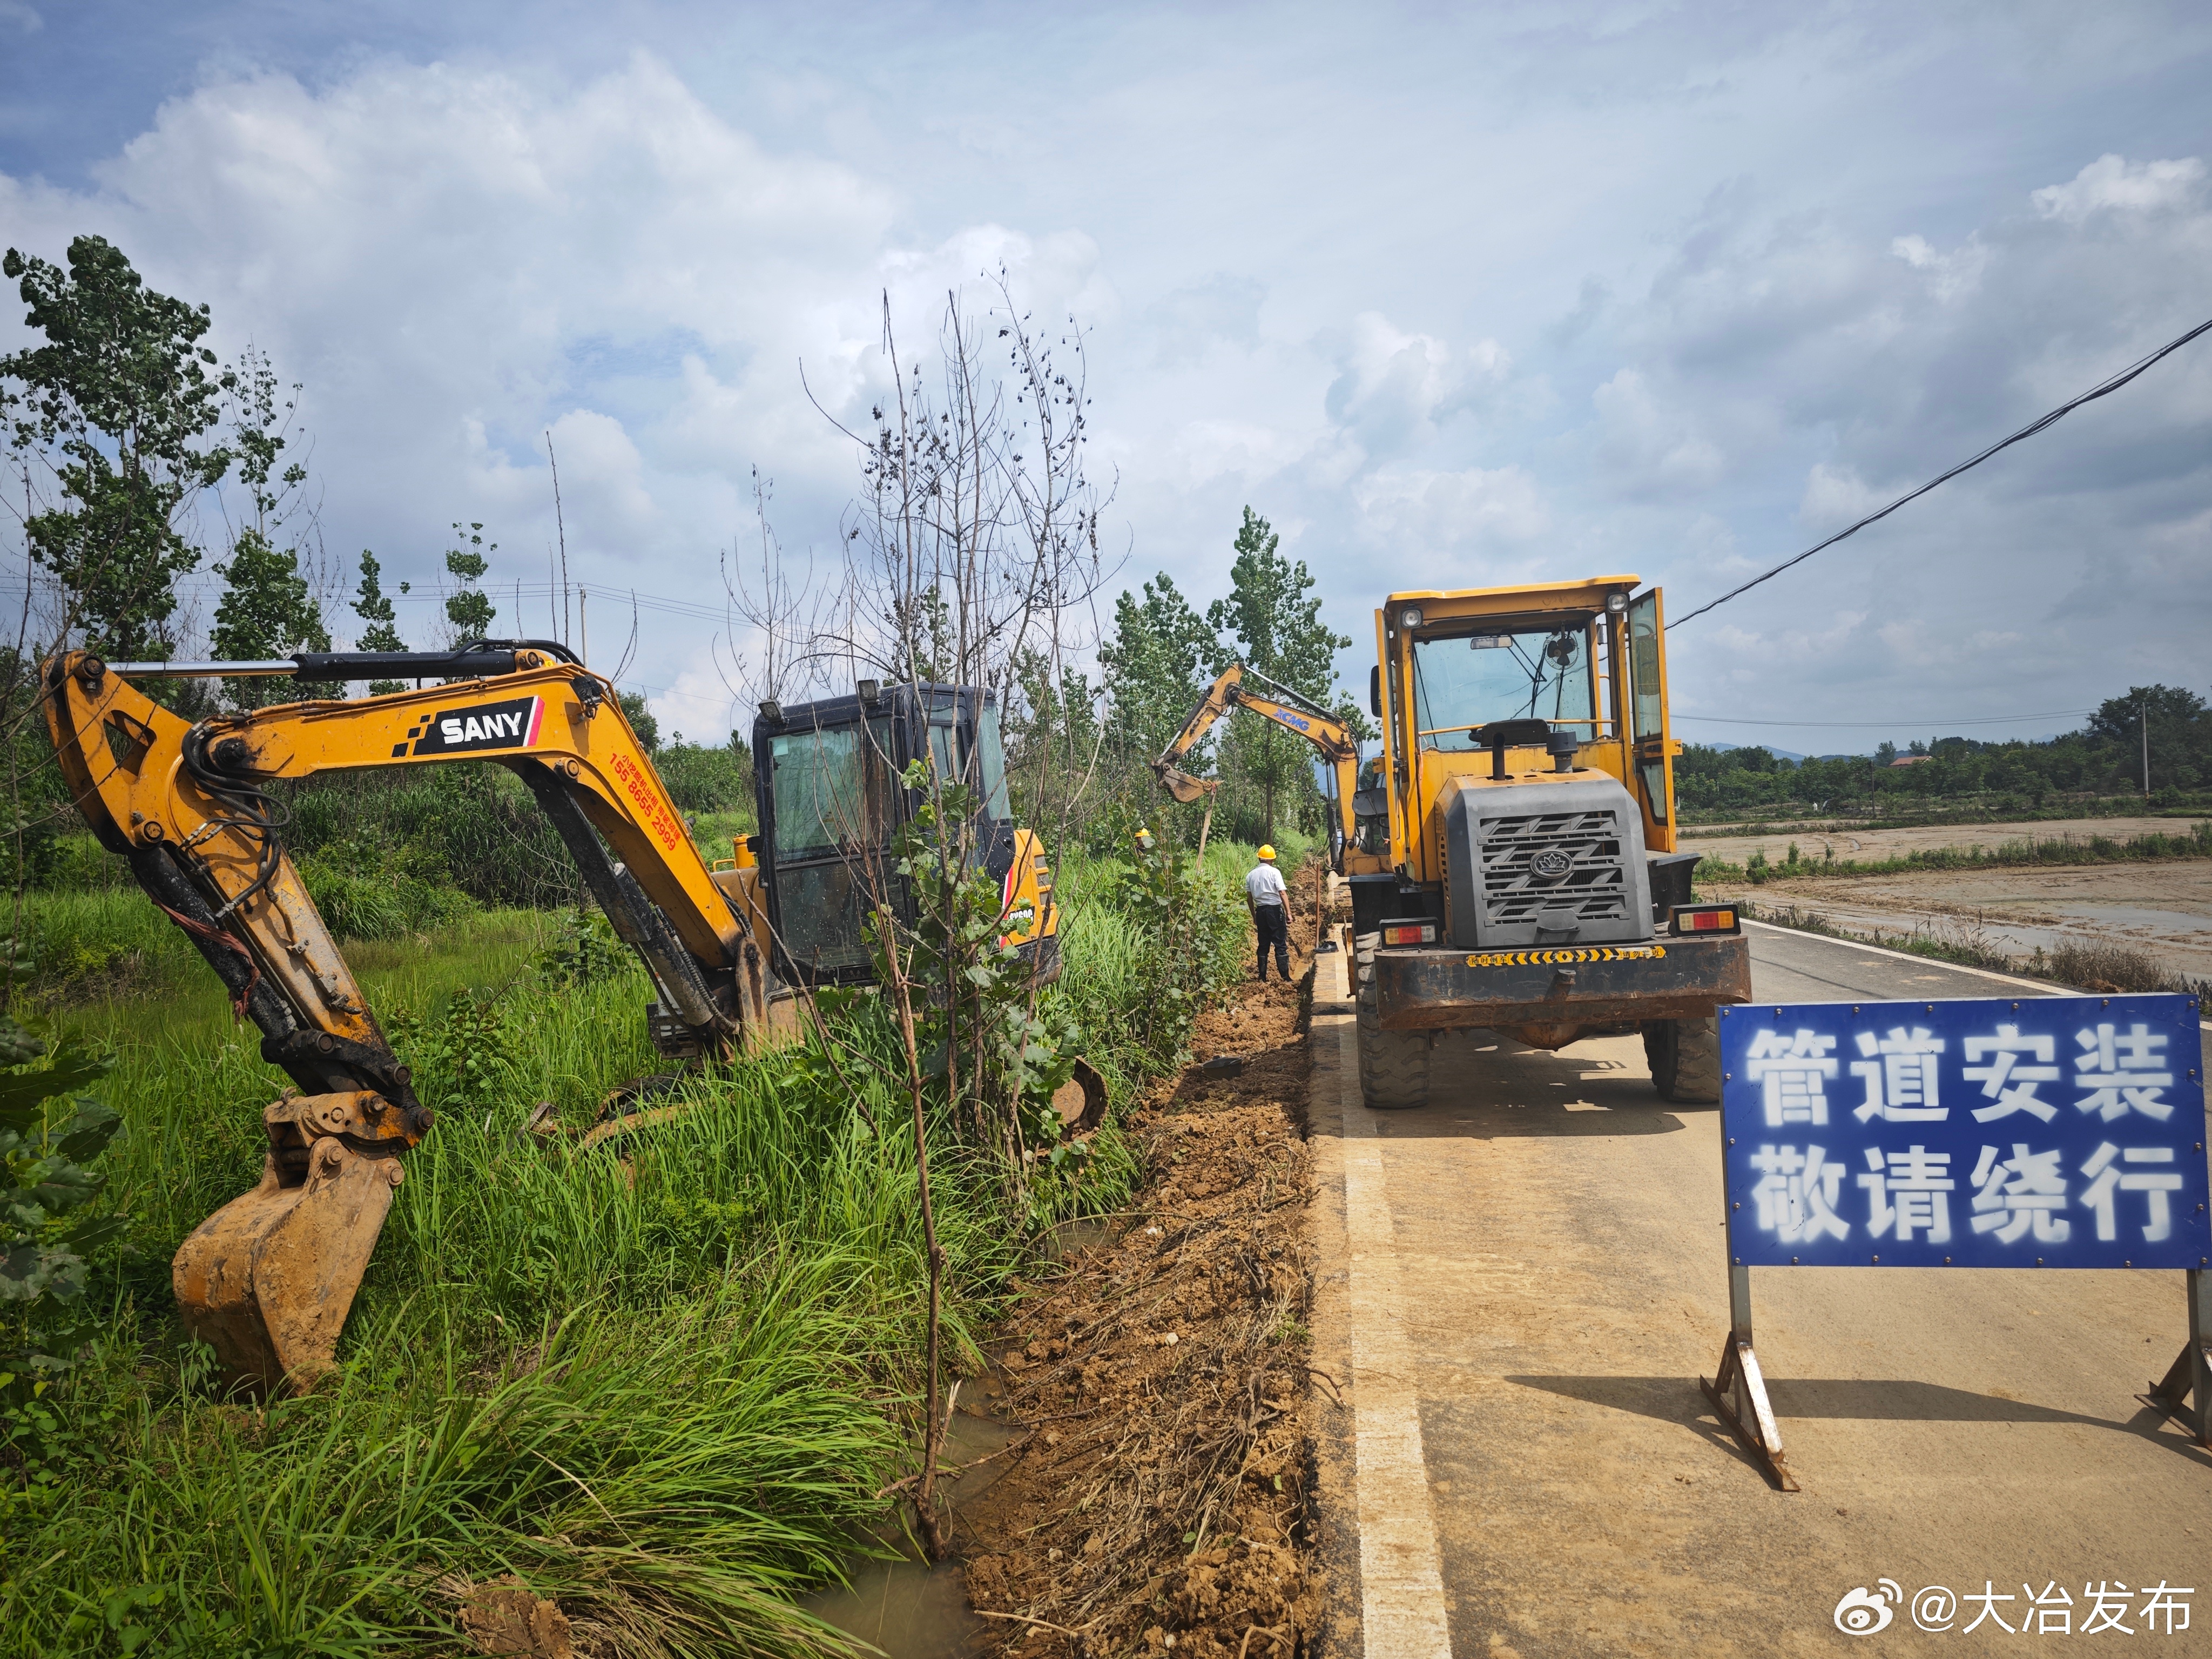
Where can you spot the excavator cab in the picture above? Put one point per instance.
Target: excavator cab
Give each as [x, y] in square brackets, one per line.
[828, 777]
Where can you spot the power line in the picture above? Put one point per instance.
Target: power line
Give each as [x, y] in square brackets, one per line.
[1914, 722]
[2103, 389]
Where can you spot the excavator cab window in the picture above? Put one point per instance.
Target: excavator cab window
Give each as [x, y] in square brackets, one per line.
[972, 755]
[834, 795]
[830, 788]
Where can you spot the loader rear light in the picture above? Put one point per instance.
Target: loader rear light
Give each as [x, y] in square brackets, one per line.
[1409, 932]
[1705, 919]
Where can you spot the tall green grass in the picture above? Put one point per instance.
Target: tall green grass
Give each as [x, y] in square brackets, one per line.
[664, 1382]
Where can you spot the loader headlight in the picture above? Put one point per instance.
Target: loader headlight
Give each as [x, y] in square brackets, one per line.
[1410, 616]
[1615, 603]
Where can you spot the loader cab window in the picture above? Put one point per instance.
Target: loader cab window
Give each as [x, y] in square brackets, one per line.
[1518, 671]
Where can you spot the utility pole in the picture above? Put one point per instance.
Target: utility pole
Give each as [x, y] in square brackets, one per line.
[2143, 709]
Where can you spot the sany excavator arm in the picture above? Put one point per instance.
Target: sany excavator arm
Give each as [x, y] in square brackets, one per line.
[268, 1280]
[1286, 708]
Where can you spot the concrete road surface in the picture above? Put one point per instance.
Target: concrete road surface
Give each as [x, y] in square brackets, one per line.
[1518, 1287]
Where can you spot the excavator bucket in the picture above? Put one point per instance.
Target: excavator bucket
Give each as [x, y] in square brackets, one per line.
[268, 1280]
[1185, 788]
[1080, 1102]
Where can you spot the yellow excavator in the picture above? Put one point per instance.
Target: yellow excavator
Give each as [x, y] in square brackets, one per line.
[1239, 687]
[267, 1281]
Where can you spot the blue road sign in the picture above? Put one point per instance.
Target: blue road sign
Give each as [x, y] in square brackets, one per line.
[2053, 1132]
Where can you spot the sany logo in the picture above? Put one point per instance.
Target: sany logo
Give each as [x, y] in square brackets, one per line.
[1862, 1612]
[509, 724]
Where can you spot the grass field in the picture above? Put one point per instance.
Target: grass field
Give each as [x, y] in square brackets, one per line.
[666, 1386]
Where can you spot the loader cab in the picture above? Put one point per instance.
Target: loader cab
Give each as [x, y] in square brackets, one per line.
[827, 782]
[1522, 689]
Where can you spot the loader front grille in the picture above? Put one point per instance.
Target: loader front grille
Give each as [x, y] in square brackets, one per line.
[1541, 865]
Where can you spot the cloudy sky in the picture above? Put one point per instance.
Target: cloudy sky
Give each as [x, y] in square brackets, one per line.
[1453, 296]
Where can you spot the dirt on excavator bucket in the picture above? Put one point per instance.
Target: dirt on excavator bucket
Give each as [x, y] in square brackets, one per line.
[268, 1280]
[1185, 788]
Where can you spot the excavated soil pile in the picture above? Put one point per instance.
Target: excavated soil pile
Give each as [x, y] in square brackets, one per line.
[1162, 1498]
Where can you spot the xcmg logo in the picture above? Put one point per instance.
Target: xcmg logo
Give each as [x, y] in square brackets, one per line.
[511, 725]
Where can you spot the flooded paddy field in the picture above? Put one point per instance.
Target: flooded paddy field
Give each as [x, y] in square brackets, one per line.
[1870, 846]
[2163, 909]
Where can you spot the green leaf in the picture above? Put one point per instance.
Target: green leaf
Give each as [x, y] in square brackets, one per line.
[88, 1134]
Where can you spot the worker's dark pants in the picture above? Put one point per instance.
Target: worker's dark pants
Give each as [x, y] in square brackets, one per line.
[1272, 922]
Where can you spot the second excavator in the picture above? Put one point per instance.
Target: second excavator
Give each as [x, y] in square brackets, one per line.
[268, 1280]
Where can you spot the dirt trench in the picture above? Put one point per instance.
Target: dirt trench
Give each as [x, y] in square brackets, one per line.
[1162, 1498]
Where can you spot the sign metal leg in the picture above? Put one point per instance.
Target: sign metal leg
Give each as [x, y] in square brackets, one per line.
[1738, 1390]
[2190, 1377]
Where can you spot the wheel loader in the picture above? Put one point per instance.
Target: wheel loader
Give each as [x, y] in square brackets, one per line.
[1511, 852]
[267, 1281]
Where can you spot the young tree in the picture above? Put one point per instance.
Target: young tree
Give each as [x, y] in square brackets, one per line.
[971, 549]
[469, 610]
[1157, 664]
[268, 608]
[120, 404]
[374, 607]
[1278, 631]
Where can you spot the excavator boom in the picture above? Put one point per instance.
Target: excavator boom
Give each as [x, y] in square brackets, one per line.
[267, 1281]
[1295, 713]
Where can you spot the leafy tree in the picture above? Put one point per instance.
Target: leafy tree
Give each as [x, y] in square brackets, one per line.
[1279, 632]
[642, 726]
[374, 607]
[1157, 666]
[704, 778]
[469, 610]
[267, 608]
[2178, 732]
[119, 399]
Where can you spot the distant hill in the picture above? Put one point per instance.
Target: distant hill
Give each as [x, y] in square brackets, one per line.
[1778, 753]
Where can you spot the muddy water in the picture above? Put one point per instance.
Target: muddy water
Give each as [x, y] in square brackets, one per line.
[907, 1607]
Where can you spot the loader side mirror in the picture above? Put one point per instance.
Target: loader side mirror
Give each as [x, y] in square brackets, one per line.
[1375, 690]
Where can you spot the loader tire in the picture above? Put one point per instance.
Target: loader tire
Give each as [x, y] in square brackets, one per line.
[1685, 1059]
[1394, 1065]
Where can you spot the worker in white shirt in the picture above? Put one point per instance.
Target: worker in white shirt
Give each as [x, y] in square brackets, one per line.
[1268, 898]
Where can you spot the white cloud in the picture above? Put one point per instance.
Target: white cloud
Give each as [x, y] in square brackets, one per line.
[1834, 495]
[2112, 181]
[1950, 276]
[1446, 515]
[1648, 449]
[23, 14]
[1392, 387]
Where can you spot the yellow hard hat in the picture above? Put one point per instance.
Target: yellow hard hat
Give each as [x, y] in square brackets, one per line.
[1267, 853]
